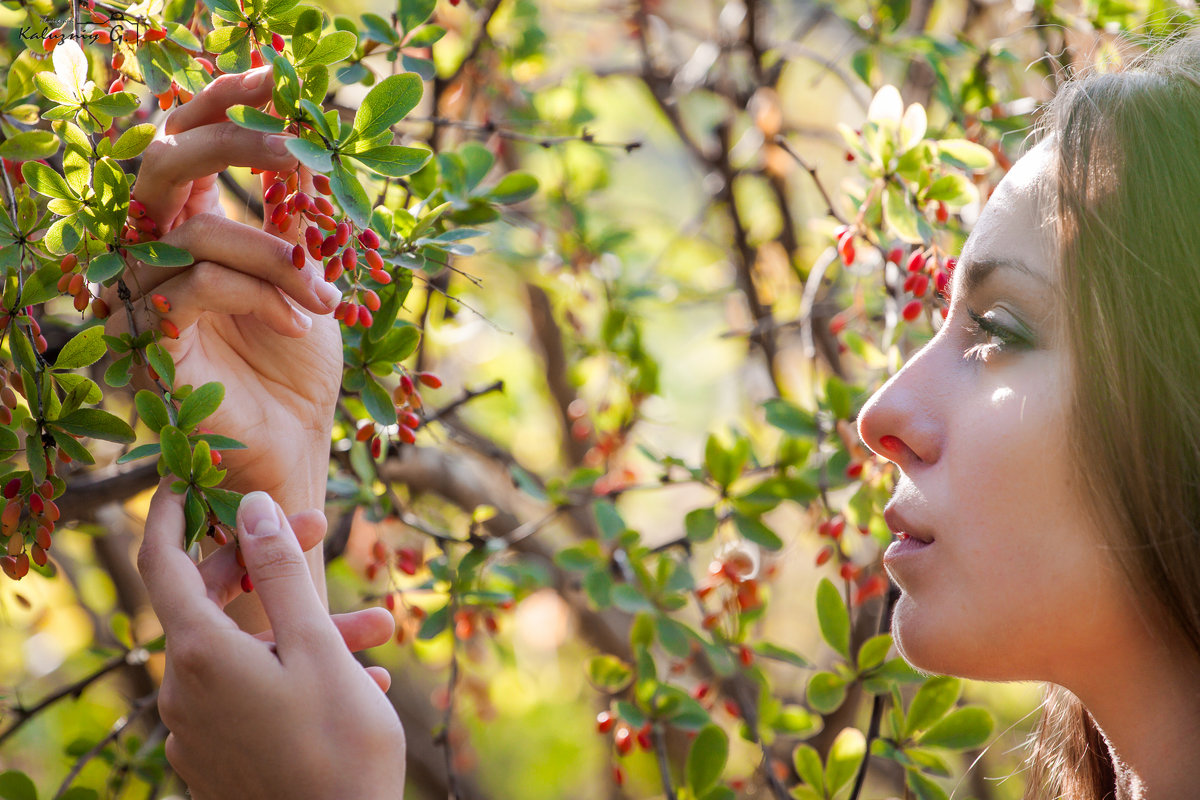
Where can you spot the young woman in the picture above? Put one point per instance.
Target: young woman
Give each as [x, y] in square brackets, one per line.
[1047, 517]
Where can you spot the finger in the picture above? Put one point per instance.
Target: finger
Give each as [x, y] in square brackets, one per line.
[210, 237]
[172, 581]
[251, 88]
[211, 288]
[282, 580]
[222, 573]
[360, 630]
[381, 676]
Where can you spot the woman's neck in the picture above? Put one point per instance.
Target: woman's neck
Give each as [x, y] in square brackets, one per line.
[1146, 701]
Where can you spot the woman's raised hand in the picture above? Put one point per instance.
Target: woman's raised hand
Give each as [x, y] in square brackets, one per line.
[288, 713]
[242, 314]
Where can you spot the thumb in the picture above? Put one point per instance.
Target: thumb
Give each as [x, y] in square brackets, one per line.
[281, 576]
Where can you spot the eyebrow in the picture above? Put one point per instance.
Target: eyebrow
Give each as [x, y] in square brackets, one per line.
[976, 271]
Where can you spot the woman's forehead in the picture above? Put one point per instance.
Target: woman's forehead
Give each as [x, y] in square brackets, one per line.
[1016, 221]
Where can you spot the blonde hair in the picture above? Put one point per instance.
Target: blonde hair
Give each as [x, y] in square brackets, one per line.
[1127, 221]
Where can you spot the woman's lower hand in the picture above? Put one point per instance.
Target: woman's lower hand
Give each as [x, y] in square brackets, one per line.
[288, 713]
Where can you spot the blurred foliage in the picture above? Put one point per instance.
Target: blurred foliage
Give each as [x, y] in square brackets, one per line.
[633, 488]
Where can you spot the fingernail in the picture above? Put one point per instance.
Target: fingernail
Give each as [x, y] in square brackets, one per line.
[328, 294]
[257, 514]
[254, 78]
[278, 144]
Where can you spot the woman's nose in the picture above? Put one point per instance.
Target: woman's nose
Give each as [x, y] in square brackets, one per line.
[903, 420]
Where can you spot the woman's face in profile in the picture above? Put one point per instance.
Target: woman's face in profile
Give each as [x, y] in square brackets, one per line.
[1015, 581]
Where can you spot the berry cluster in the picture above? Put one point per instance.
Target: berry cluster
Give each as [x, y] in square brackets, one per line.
[866, 584]
[922, 269]
[27, 522]
[73, 283]
[733, 578]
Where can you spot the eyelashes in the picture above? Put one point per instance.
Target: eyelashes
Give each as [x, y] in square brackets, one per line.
[1001, 339]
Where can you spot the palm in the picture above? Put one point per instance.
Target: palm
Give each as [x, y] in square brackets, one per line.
[279, 392]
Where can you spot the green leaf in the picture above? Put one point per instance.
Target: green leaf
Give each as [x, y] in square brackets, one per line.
[378, 403]
[808, 766]
[218, 442]
[105, 266]
[16, 785]
[200, 404]
[874, 651]
[924, 787]
[414, 13]
[162, 362]
[29, 146]
[931, 702]
[754, 530]
[826, 692]
[959, 730]
[609, 673]
[97, 424]
[43, 284]
[133, 141]
[330, 49]
[790, 418]
[379, 29]
[901, 218]
[44, 180]
[183, 37]
[700, 524]
[119, 373]
[845, 755]
[226, 9]
[177, 453]
[55, 89]
[427, 36]
[954, 190]
[513, 188]
[394, 161]
[141, 451]
[350, 194]
[398, 345]
[9, 443]
[115, 105]
[833, 617]
[73, 448]
[224, 504]
[630, 599]
[86, 347]
[256, 120]
[234, 56]
[311, 154]
[769, 650]
[158, 254]
[152, 410]
[674, 636]
[706, 760]
[195, 520]
[434, 624]
[306, 32]
[965, 154]
[388, 102]
[609, 519]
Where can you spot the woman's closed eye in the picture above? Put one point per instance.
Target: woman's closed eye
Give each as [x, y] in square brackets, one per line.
[999, 339]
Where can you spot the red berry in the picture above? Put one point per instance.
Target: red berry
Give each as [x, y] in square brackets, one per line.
[155, 35]
[380, 276]
[410, 420]
[116, 86]
[370, 299]
[920, 284]
[302, 202]
[406, 435]
[99, 309]
[342, 232]
[643, 737]
[605, 722]
[912, 310]
[825, 554]
[369, 239]
[312, 240]
[333, 269]
[322, 205]
[374, 260]
[376, 447]
[328, 246]
[12, 488]
[321, 183]
[746, 655]
[916, 262]
[275, 192]
[42, 537]
[247, 584]
[68, 263]
[349, 258]
[256, 61]
[364, 317]
[846, 248]
[430, 380]
[406, 383]
[277, 42]
[160, 303]
[942, 212]
[298, 259]
[623, 740]
[894, 255]
[169, 328]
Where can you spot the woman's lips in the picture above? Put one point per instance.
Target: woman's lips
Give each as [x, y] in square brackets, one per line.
[905, 545]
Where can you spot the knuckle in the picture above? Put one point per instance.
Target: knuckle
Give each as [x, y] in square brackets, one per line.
[273, 560]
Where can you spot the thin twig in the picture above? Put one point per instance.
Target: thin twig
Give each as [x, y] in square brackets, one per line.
[138, 709]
